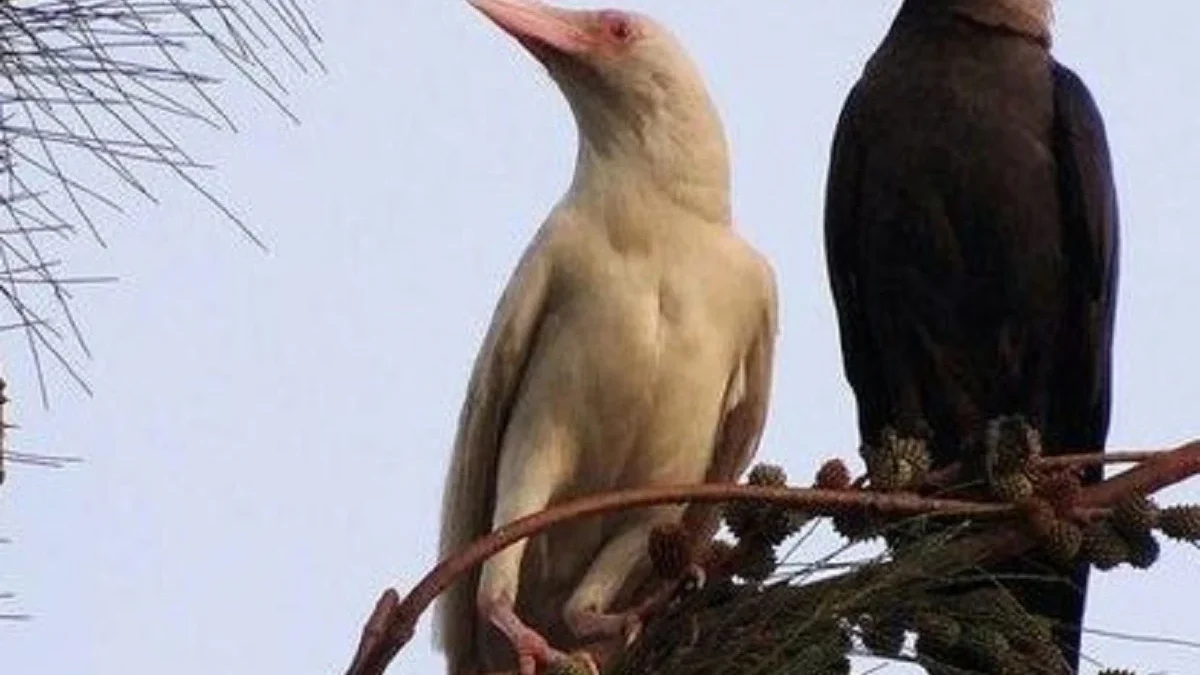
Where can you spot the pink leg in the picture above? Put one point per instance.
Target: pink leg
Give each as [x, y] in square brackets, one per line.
[590, 624]
[629, 624]
[532, 649]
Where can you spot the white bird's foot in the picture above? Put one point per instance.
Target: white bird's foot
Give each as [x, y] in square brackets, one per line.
[532, 649]
[598, 625]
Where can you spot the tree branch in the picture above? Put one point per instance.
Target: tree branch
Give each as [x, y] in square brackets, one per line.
[393, 621]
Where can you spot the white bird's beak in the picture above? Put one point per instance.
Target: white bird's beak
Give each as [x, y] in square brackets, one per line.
[535, 25]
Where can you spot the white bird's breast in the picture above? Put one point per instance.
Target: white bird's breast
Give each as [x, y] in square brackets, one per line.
[641, 348]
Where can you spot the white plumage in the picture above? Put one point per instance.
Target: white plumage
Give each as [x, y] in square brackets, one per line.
[633, 346]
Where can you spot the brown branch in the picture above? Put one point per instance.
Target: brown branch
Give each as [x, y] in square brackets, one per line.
[392, 623]
[401, 620]
[950, 475]
[1157, 471]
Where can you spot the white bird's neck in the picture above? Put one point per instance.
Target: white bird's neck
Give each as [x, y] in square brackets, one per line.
[624, 172]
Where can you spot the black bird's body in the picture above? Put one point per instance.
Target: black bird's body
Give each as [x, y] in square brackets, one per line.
[971, 238]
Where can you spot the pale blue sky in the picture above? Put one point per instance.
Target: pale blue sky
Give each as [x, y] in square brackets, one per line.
[267, 442]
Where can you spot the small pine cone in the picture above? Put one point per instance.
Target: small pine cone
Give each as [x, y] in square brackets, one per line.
[914, 452]
[756, 562]
[1145, 551]
[741, 517]
[1181, 522]
[886, 473]
[1135, 516]
[1062, 540]
[576, 663]
[1012, 487]
[1104, 547]
[936, 633]
[767, 475]
[855, 524]
[776, 524]
[1013, 444]
[670, 550]
[898, 463]
[1116, 671]
[1061, 488]
[884, 636]
[833, 475]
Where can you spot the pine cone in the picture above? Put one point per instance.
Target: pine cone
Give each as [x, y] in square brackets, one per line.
[886, 472]
[898, 463]
[1062, 540]
[856, 524]
[1013, 444]
[576, 663]
[1135, 516]
[833, 475]
[1116, 671]
[1180, 522]
[670, 550]
[756, 562]
[1145, 551]
[767, 475]
[1012, 487]
[1061, 489]
[1104, 547]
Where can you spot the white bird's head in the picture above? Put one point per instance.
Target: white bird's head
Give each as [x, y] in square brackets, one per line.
[638, 99]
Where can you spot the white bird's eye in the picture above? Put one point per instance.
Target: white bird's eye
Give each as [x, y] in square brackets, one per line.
[617, 26]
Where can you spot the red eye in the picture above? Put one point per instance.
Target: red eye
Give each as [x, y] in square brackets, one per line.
[618, 26]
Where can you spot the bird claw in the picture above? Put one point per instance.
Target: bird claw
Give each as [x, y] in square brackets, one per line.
[533, 650]
[695, 578]
[632, 629]
[575, 663]
[592, 624]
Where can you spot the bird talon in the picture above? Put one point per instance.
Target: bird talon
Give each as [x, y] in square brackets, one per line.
[632, 629]
[576, 663]
[695, 578]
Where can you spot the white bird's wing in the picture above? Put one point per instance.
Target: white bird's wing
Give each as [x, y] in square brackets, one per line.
[471, 481]
[746, 402]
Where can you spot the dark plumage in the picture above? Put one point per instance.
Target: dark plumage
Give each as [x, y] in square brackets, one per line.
[971, 239]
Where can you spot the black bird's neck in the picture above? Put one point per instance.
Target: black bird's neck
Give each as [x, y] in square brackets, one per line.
[1024, 18]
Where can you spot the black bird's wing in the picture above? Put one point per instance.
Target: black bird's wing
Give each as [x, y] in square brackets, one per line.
[842, 259]
[1087, 194]
[1082, 378]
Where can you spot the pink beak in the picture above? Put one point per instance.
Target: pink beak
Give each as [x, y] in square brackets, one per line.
[533, 23]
